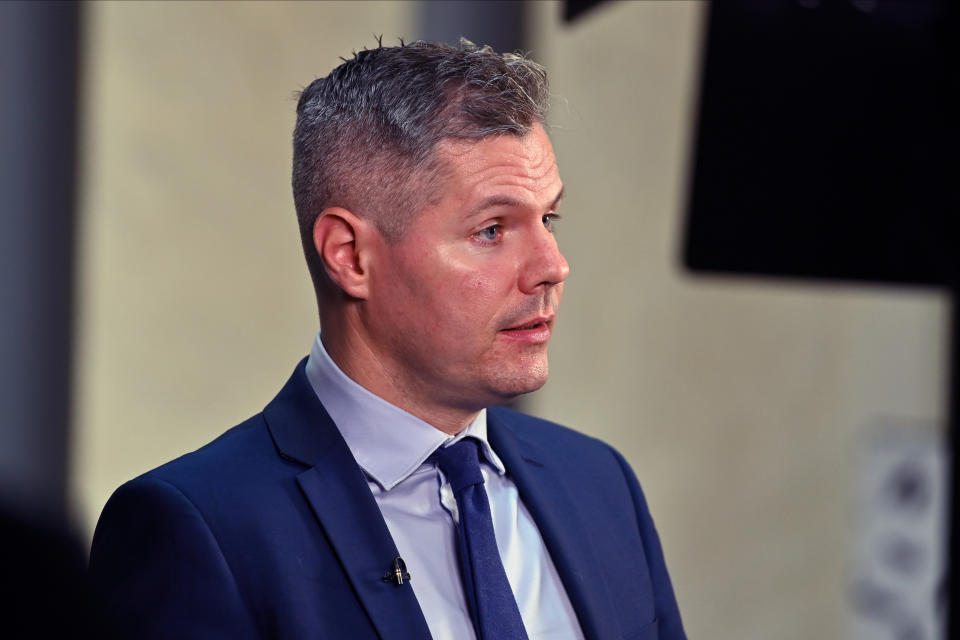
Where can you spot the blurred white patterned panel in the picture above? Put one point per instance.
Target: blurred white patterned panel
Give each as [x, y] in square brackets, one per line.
[898, 579]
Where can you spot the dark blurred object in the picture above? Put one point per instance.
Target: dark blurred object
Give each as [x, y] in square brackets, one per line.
[502, 24]
[573, 9]
[42, 564]
[42, 579]
[823, 140]
[39, 44]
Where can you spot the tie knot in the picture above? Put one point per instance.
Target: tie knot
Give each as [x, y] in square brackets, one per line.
[460, 463]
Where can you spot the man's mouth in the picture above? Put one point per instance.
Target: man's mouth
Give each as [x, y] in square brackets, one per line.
[537, 322]
[532, 325]
[535, 331]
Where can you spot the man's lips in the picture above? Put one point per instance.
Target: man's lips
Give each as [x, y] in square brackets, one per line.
[534, 330]
[532, 323]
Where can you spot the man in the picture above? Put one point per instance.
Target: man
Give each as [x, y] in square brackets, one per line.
[381, 493]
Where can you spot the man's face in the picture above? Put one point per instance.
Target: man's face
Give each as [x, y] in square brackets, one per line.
[461, 308]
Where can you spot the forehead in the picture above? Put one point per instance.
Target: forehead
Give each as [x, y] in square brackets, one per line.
[522, 167]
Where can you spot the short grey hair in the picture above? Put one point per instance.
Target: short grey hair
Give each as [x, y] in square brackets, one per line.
[366, 134]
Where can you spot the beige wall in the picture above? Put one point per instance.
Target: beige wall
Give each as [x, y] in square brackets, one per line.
[195, 301]
[735, 400]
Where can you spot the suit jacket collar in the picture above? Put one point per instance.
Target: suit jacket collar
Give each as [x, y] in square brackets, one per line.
[543, 490]
[337, 491]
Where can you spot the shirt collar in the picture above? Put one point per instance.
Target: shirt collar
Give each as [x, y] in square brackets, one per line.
[388, 443]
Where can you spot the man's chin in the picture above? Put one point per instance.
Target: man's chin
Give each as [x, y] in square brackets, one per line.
[506, 388]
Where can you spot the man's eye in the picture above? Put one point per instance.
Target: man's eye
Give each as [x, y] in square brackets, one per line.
[549, 219]
[490, 233]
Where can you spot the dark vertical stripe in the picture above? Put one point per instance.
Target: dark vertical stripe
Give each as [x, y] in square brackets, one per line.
[38, 126]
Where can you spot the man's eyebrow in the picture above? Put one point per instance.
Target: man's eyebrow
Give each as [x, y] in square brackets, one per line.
[556, 201]
[501, 200]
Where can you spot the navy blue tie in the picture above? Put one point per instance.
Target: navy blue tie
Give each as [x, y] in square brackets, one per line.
[492, 605]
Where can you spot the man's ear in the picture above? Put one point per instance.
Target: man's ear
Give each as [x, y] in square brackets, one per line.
[342, 239]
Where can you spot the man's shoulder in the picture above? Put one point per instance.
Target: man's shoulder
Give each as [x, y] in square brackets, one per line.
[223, 469]
[220, 454]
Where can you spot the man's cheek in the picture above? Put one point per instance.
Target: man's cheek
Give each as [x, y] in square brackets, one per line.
[477, 289]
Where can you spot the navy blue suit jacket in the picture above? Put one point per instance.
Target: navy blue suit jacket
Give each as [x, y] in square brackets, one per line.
[270, 531]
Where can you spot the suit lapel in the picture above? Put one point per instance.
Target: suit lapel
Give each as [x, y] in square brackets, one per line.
[545, 495]
[337, 491]
[360, 537]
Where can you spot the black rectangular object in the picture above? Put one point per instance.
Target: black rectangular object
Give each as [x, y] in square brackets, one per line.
[822, 141]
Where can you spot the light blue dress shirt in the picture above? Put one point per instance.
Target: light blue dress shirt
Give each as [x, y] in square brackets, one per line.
[392, 447]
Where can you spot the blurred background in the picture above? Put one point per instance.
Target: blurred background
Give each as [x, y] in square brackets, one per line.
[762, 415]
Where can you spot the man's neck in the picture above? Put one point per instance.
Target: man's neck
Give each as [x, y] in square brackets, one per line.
[360, 362]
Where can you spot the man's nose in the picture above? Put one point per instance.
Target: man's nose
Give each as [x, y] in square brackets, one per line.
[545, 265]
